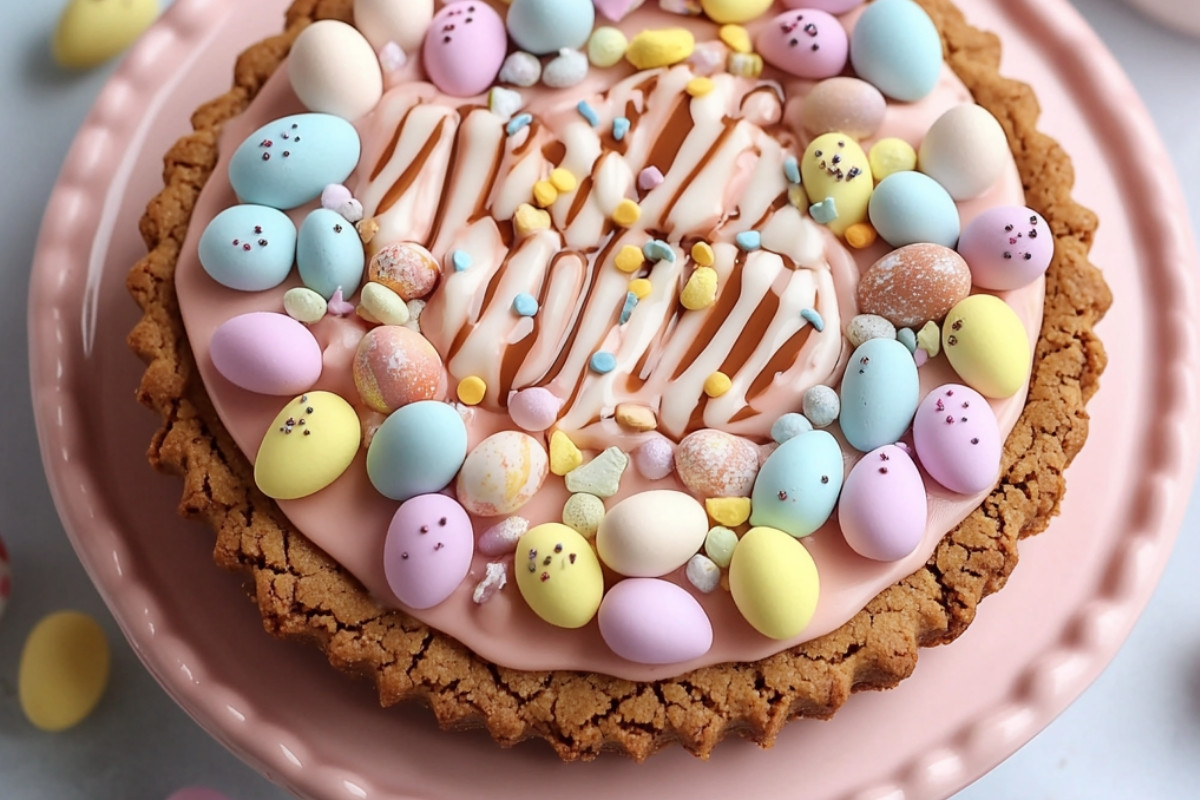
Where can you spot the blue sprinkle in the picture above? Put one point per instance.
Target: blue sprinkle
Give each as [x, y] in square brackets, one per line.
[603, 362]
[588, 113]
[631, 302]
[749, 240]
[517, 123]
[825, 211]
[658, 250]
[461, 260]
[791, 169]
[525, 304]
[814, 318]
[620, 128]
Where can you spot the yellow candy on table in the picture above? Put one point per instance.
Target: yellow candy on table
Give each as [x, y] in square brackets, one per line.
[717, 384]
[472, 390]
[564, 455]
[736, 38]
[987, 345]
[835, 167]
[90, 32]
[64, 670]
[728, 511]
[774, 582]
[891, 155]
[630, 258]
[559, 575]
[660, 48]
[700, 291]
[736, 11]
[310, 443]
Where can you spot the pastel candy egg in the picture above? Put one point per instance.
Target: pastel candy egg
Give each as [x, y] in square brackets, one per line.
[90, 32]
[958, 439]
[394, 366]
[880, 391]
[558, 575]
[805, 43]
[407, 268]
[384, 21]
[655, 458]
[834, 167]
[987, 345]
[334, 70]
[896, 47]
[547, 26]
[308, 445]
[652, 621]
[914, 284]
[417, 450]
[465, 48]
[798, 485]
[502, 473]
[329, 254]
[846, 105]
[428, 549]
[832, 6]
[5, 578]
[911, 207]
[774, 582]
[734, 11]
[288, 162]
[248, 247]
[1007, 247]
[965, 151]
[64, 670]
[883, 506]
[268, 353]
[534, 409]
[891, 155]
[649, 534]
[713, 463]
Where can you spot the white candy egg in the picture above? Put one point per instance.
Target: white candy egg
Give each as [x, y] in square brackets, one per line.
[334, 70]
[404, 23]
[651, 533]
[965, 151]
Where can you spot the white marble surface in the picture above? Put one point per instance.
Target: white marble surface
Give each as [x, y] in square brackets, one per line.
[1135, 733]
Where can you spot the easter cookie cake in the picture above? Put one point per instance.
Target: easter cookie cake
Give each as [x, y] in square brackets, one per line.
[620, 373]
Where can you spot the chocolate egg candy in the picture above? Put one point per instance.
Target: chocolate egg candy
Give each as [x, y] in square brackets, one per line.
[428, 550]
[896, 47]
[883, 505]
[542, 27]
[248, 247]
[394, 366]
[558, 575]
[911, 207]
[64, 670]
[502, 473]
[334, 70]
[798, 485]
[1007, 247]
[713, 463]
[288, 162]
[268, 353]
[849, 105]
[880, 391]
[987, 345]
[309, 444]
[465, 47]
[965, 151]
[835, 168]
[384, 21]
[329, 254]
[805, 43]
[417, 450]
[649, 534]
[958, 439]
[914, 284]
[652, 621]
[774, 582]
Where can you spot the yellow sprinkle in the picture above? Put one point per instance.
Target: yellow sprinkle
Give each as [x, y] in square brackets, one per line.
[736, 38]
[564, 455]
[626, 213]
[700, 292]
[563, 180]
[745, 65]
[641, 288]
[889, 156]
[630, 258]
[471, 390]
[728, 511]
[717, 384]
[698, 87]
[544, 193]
[797, 196]
[529, 220]
[860, 235]
[702, 254]
[660, 48]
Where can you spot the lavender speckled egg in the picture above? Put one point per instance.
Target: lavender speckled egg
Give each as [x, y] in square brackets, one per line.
[914, 284]
[883, 506]
[288, 162]
[267, 353]
[329, 254]
[652, 621]
[1007, 247]
[806, 43]
[534, 409]
[248, 247]
[958, 439]
[846, 105]
[465, 48]
[428, 550]
[655, 458]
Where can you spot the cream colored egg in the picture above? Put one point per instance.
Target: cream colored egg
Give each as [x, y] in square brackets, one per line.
[64, 670]
[401, 21]
[92, 31]
[502, 473]
[987, 345]
[774, 582]
[334, 70]
[649, 534]
[965, 151]
[308, 446]
[558, 575]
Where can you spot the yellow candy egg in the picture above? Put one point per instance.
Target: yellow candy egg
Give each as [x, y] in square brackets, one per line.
[987, 345]
[559, 575]
[92, 31]
[64, 670]
[309, 445]
[737, 11]
[774, 582]
[835, 168]
[891, 155]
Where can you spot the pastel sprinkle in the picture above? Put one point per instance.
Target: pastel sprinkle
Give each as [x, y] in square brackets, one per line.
[702, 254]
[627, 213]
[630, 258]
[813, 318]
[791, 170]
[563, 180]
[860, 235]
[749, 240]
[620, 127]
[544, 194]
[825, 211]
[631, 301]
[471, 390]
[587, 112]
[526, 305]
[658, 250]
[461, 260]
[640, 288]
[699, 87]
[518, 123]
[603, 362]
[737, 38]
[650, 178]
[717, 384]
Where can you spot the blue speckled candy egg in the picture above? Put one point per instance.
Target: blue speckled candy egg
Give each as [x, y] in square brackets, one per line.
[287, 163]
[329, 254]
[798, 485]
[895, 46]
[249, 248]
[911, 207]
[418, 449]
[880, 392]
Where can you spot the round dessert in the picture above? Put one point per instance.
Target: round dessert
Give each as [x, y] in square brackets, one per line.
[631, 363]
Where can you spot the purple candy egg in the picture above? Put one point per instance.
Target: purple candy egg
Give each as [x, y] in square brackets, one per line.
[1007, 247]
[652, 621]
[267, 353]
[805, 43]
[465, 48]
[883, 506]
[958, 439]
[428, 550]
[534, 409]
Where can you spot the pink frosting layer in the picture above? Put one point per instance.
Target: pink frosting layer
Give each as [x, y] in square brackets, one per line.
[349, 519]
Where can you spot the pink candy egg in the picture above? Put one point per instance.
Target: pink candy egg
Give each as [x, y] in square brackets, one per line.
[1007, 247]
[958, 439]
[652, 621]
[883, 507]
[832, 6]
[655, 458]
[266, 353]
[465, 48]
[534, 409]
[713, 463]
[805, 43]
[395, 366]
[428, 550]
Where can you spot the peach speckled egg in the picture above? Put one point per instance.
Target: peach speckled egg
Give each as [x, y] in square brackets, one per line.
[713, 463]
[407, 268]
[395, 366]
[914, 284]
[502, 473]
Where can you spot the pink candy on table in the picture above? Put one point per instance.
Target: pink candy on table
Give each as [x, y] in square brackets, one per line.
[1006, 247]
[465, 48]
[805, 43]
[428, 550]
